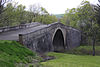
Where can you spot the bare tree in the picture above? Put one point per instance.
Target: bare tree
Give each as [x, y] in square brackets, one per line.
[2, 3]
[35, 10]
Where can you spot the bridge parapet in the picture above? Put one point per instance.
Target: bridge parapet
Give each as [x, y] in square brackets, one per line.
[21, 26]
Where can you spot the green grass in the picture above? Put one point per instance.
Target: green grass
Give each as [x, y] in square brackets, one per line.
[84, 50]
[88, 48]
[12, 52]
[70, 60]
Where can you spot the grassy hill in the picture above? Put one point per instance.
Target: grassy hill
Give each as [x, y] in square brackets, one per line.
[59, 15]
[13, 54]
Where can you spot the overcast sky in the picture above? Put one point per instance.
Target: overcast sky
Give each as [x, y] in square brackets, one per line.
[54, 6]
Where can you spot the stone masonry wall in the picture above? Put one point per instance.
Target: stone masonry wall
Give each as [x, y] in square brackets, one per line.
[41, 40]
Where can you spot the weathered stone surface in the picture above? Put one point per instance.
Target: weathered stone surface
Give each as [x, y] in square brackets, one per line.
[73, 38]
[22, 26]
[14, 34]
[50, 39]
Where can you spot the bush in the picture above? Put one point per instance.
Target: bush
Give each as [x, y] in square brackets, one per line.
[84, 50]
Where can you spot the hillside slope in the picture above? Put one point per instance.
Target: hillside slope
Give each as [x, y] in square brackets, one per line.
[12, 53]
[59, 15]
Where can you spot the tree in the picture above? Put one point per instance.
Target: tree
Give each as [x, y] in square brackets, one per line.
[40, 14]
[2, 9]
[35, 11]
[84, 19]
[2, 3]
[14, 15]
[88, 21]
[97, 9]
[20, 10]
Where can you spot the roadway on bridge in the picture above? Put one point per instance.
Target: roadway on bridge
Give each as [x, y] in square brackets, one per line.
[14, 35]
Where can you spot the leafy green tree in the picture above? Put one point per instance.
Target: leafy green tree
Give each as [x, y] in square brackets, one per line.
[20, 10]
[7, 16]
[97, 9]
[84, 19]
[40, 14]
[3, 9]
[16, 14]
[88, 22]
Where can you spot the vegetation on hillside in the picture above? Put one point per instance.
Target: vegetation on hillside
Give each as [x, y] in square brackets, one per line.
[59, 15]
[13, 54]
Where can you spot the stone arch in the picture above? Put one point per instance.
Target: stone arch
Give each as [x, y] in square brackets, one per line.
[58, 40]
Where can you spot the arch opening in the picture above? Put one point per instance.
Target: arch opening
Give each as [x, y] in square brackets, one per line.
[58, 41]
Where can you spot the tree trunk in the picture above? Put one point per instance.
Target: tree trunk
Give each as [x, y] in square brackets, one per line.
[94, 44]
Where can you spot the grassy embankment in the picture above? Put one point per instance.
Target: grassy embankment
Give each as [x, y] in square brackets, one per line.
[13, 54]
[79, 57]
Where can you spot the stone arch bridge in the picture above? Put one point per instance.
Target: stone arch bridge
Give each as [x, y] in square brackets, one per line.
[44, 38]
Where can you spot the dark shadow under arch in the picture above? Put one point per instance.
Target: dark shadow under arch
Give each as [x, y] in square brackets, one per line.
[58, 41]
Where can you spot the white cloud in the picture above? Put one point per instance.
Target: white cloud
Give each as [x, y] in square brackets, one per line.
[54, 6]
